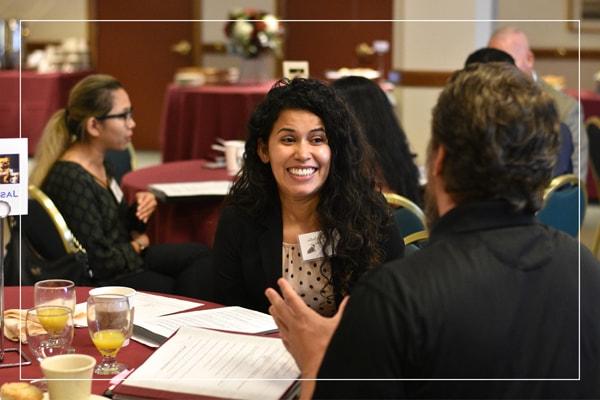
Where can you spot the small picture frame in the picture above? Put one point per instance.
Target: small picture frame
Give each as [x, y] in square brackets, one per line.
[587, 12]
[295, 69]
[13, 175]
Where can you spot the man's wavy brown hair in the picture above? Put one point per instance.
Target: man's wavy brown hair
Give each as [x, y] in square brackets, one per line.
[500, 133]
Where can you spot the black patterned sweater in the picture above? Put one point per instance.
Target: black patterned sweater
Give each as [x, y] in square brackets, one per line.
[92, 213]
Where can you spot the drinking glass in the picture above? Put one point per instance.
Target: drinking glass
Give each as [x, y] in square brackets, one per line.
[49, 330]
[60, 292]
[109, 323]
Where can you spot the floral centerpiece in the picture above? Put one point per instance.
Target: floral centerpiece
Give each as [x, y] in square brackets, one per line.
[252, 33]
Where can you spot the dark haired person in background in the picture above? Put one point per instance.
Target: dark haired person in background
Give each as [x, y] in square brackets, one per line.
[305, 185]
[395, 168]
[495, 296]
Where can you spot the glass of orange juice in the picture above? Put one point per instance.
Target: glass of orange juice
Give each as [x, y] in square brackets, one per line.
[49, 330]
[109, 323]
[60, 292]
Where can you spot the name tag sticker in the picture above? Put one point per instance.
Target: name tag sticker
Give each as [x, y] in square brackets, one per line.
[310, 246]
[13, 176]
[116, 190]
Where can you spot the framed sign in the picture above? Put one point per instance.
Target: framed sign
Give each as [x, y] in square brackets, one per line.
[587, 11]
[13, 175]
[295, 69]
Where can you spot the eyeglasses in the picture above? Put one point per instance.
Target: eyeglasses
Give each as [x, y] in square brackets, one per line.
[125, 116]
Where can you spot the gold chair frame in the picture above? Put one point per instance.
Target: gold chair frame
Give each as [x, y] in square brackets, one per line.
[561, 181]
[397, 201]
[416, 237]
[70, 242]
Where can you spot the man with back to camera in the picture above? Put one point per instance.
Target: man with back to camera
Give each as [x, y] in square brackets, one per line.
[493, 297]
[514, 41]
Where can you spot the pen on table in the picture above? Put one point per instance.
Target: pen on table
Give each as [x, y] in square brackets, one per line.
[115, 381]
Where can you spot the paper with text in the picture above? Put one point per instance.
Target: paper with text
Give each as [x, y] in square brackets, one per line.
[234, 319]
[184, 189]
[210, 363]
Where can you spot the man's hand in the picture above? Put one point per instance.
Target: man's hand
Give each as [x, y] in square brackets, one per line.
[304, 332]
[146, 204]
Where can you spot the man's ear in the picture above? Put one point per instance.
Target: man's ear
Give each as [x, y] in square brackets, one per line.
[92, 127]
[263, 151]
[438, 162]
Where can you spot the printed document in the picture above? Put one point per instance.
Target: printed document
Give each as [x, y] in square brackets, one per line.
[218, 364]
[233, 319]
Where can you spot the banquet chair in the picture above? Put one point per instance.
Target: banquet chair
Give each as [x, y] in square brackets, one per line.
[593, 130]
[46, 228]
[408, 216]
[44, 236]
[565, 201]
[121, 161]
[415, 242]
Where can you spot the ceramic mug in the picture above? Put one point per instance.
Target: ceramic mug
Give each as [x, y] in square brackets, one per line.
[69, 376]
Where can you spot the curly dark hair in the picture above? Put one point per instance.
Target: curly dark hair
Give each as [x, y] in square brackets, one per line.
[500, 133]
[375, 117]
[349, 206]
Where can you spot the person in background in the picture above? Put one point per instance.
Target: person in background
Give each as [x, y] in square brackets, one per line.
[70, 168]
[495, 296]
[304, 206]
[564, 163]
[514, 41]
[395, 168]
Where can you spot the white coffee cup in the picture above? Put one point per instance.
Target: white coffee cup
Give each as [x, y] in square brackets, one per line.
[234, 155]
[69, 376]
[123, 291]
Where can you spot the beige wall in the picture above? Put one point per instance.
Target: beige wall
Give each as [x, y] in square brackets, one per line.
[433, 45]
[48, 9]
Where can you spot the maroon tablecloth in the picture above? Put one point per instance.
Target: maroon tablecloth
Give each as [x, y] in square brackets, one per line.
[42, 95]
[193, 117]
[133, 355]
[590, 102]
[184, 220]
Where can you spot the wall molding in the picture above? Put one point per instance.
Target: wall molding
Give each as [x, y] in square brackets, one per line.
[565, 53]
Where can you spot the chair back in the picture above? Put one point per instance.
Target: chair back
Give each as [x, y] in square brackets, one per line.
[408, 216]
[46, 228]
[565, 201]
[121, 161]
[415, 242]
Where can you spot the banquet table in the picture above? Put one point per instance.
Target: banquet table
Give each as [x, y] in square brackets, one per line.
[590, 101]
[178, 221]
[132, 355]
[42, 95]
[193, 117]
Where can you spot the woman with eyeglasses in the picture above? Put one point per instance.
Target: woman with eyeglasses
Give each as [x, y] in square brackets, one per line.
[71, 169]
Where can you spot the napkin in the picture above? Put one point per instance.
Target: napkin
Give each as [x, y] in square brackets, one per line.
[13, 319]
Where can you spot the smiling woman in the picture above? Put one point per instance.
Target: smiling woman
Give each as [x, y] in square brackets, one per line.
[304, 206]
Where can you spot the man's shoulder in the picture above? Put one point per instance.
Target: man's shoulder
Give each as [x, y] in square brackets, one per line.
[515, 248]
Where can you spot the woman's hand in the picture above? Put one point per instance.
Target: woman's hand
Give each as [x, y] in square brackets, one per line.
[146, 204]
[304, 332]
[140, 242]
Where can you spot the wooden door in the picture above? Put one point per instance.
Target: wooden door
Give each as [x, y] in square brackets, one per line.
[140, 54]
[332, 45]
